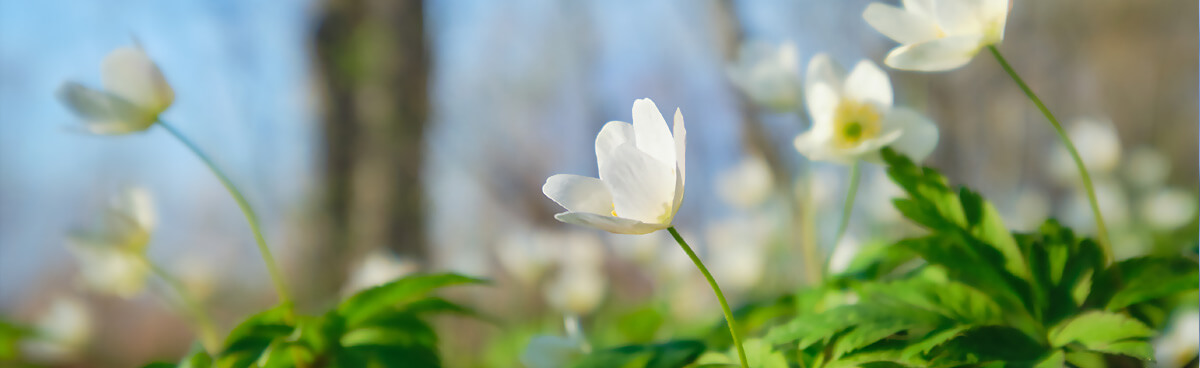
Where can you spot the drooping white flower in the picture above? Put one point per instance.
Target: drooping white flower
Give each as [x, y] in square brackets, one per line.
[641, 176]
[580, 284]
[112, 255]
[768, 74]
[135, 93]
[61, 332]
[853, 117]
[938, 35]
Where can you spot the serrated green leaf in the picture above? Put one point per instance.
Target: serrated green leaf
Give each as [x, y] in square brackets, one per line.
[932, 340]
[675, 354]
[1149, 278]
[1105, 332]
[363, 305]
[250, 338]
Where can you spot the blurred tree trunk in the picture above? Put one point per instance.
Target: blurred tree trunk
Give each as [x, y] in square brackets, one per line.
[373, 65]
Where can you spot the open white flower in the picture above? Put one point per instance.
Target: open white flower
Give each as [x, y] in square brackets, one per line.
[112, 255]
[135, 93]
[938, 35]
[768, 74]
[61, 332]
[853, 117]
[641, 176]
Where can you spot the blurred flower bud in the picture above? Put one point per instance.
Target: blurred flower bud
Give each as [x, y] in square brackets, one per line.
[135, 94]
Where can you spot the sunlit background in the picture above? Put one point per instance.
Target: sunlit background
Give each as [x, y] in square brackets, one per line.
[401, 136]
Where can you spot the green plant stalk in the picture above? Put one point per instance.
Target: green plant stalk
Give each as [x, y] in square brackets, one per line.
[737, 342]
[847, 209]
[1101, 230]
[251, 218]
[205, 328]
[806, 213]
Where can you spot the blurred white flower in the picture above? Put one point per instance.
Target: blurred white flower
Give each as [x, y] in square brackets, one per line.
[768, 74]
[747, 184]
[1032, 208]
[526, 254]
[580, 284]
[1179, 345]
[844, 253]
[378, 267]
[1147, 167]
[61, 332]
[938, 35]
[641, 176]
[737, 251]
[112, 255]
[545, 351]
[135, 93]
[1168, 208]
[1098, 146]
[853, 117]
[1114, 204]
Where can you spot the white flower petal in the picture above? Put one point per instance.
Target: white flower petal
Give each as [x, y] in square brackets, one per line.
[823, 88]
[919, 137]
[103, 112]
[610, 224]
[938, 55]
[680, 135]
[959, 16]
[579, 193]
[651, 133]
[129, 73]
[901, 25]
[611, 136]
[868, 83]
[643, 188]
[923, 8]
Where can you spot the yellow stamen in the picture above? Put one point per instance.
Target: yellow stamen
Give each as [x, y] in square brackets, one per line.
[854, 122]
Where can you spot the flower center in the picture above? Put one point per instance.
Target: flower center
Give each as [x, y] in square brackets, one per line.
[854, 123]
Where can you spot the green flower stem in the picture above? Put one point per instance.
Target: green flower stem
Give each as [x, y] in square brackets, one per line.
[251, 218]
[204, 325]
[847, 209]
[716, 290]
[1101, 230]
[807, 214]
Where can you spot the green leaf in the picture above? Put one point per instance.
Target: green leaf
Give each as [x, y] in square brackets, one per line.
[363, 305]
[10, 336]
[674, 354]
[250, 338]
[1055, 359]
[1150, 278]
[932, 340]
[933, 204]
[1105, 332]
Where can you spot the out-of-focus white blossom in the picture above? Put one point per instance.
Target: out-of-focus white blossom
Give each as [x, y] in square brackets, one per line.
[135, 93]
[737, 251]
[1114, 204]
[938, 35]
[747, 184]
[1032, 208]
[580, 283]
[1180, 342]
[853, 117]
[641, 176]
[112, 254]
[1168, 208]
[378, 267]
[61, 332]
[768, 74]
[843, 255]
[1147, 167]
[1098, 146]
[527, 254]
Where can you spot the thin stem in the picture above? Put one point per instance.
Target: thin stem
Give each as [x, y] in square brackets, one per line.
[251, 218]
[716, 290]
[847, 209]
[807, 215]
[1101, 230]
[204, 325]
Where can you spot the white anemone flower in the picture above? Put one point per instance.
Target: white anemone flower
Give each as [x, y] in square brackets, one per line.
[135, 93]
[1179, 344]
[938, 35]
[112, 255]
[747, 184]
[769, 75]
[853, 117]
[61, 332]
[378, 267]
[641, 176]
